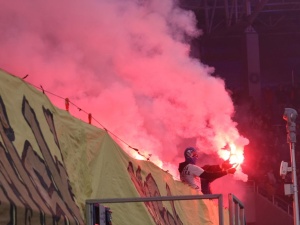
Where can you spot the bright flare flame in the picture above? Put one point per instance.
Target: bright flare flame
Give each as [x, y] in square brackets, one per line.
[233, 154]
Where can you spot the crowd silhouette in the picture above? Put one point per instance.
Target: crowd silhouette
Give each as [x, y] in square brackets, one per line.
[263, 124]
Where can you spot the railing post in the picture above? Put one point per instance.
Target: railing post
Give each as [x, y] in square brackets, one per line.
[236, 211]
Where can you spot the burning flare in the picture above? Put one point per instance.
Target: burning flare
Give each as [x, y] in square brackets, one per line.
[233, 154]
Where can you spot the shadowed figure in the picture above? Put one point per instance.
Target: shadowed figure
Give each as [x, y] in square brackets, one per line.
[191, 173]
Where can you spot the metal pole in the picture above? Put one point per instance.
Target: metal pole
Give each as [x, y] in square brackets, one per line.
[294, 179]
[231, 209]
[290, 116]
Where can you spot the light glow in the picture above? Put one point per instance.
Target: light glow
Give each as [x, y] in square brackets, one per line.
[232, 153]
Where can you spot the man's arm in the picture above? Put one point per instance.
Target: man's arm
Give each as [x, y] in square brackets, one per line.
[212, 175]
[217, 174]
[212, 168]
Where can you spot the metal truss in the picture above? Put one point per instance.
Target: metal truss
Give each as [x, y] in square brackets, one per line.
[233, 16]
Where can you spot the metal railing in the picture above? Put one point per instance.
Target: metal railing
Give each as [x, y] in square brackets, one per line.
[236, 211]
[90, 203]
[275, 200]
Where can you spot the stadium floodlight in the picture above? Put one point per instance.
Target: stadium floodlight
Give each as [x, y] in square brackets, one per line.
[290, 116]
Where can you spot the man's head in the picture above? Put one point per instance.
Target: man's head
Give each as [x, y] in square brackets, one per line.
[190, 155]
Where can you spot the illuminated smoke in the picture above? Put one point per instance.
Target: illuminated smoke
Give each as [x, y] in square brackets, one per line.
[126, 62]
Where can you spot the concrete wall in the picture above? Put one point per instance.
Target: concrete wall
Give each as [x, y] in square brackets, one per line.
[269, 214]
[259, 210]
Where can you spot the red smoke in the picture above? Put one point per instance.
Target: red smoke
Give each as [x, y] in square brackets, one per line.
[127, 63]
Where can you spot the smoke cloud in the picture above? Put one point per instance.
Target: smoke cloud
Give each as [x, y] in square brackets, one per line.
[127, 63]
